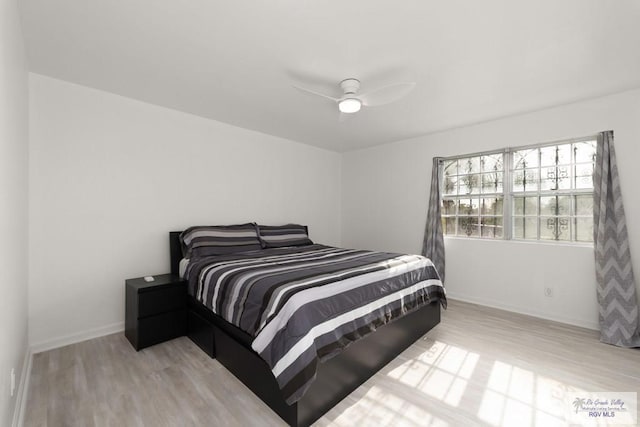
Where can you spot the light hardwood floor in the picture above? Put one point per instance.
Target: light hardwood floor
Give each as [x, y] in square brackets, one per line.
[480, 366]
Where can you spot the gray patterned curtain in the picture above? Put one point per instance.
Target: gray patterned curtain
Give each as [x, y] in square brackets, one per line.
[433, 243]
[619, 322]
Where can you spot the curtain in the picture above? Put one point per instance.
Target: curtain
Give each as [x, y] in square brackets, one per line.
[619, 324]
[433, 243]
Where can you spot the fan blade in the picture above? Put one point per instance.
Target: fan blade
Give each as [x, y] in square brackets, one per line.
[386, 94]
[317, 93]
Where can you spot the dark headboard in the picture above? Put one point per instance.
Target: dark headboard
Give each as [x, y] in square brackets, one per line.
[175, 249]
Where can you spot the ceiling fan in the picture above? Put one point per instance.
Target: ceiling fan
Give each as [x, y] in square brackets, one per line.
[351, 102]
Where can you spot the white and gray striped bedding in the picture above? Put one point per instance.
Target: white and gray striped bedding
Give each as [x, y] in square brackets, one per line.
[303, 305]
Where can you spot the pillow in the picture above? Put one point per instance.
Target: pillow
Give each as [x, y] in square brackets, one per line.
[283, 235]
[201, 241]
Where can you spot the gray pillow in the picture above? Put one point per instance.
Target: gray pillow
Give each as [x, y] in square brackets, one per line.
[200, 241]
[278, 236]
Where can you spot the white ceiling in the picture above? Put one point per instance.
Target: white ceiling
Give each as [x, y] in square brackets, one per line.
[235, 60]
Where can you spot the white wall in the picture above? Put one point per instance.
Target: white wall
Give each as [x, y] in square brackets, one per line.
[110, 177]
[13, 203]
[385, 193]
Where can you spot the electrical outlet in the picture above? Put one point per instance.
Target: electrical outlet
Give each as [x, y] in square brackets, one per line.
[548, 292]
[13, 381]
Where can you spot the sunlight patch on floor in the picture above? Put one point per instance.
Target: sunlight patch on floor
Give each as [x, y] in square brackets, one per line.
[441, 372]
[379, 407]
[511, 395]
[516, 396]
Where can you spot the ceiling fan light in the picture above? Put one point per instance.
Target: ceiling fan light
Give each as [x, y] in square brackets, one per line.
[349, 105]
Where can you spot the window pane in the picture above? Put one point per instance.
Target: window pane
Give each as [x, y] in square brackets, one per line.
[585, 151]
[492, 206]
[492, 163]
[492, 227]
[525, 180]
[555, 228]
[555, 178]
[555, 205]
[523, 159]
[584, 229]
[450, 185]
[525, 228]
[584, 176]
[555, 155]
[468, 184]
[469, 165]
[492, 182]
[531, 228]
[448, 207]
[548, 156]
[449, 225]
[468, 206]
[525, 206]
[468, 226]
[450, 167]
[584, 205]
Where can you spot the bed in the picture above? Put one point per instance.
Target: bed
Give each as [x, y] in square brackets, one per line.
[240, 335]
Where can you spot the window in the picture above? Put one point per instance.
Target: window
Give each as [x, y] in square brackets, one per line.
[473, 196]
[543, 192]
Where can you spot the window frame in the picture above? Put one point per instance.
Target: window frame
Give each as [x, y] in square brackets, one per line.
[508, 194]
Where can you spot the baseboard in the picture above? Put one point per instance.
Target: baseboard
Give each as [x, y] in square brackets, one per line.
[23, 390]
[78, 337]
[506, 307]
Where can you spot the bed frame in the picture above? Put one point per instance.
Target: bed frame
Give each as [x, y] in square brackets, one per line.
[336, 377]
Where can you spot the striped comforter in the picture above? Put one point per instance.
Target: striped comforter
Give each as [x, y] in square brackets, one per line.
[303, 305]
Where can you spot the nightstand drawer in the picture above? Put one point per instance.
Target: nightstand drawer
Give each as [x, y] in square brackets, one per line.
[156, 329]
[162, 299]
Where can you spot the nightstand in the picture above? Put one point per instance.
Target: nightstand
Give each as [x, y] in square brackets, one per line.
[155, 311]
